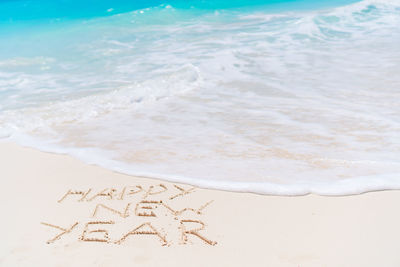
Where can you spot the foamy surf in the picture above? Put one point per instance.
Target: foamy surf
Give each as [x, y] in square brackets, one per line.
[287, 103]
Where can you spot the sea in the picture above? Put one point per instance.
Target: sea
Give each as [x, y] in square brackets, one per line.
[281, 97]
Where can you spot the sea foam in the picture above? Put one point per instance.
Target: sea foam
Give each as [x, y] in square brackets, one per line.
[243, 99]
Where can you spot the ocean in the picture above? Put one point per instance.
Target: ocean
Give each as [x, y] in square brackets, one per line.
[283, 97]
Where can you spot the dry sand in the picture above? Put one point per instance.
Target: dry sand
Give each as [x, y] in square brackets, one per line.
[156, 223]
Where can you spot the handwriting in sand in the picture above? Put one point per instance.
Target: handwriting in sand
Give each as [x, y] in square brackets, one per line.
[140, 215]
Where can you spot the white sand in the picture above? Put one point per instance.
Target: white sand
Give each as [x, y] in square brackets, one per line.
[250, 230]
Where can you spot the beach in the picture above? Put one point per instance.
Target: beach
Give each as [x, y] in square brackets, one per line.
[58, 211]
[200, 133]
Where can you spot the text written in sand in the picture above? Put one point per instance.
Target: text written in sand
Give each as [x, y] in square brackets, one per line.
[164, 214]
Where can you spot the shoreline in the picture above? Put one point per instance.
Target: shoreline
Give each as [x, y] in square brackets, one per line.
[341, 187]
[124, 220]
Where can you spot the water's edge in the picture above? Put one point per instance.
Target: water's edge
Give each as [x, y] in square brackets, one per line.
[336, 188]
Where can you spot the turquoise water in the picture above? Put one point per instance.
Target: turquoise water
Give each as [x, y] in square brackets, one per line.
[22, 10]
[274, 97]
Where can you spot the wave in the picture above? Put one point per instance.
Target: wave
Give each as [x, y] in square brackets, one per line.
[291, 102]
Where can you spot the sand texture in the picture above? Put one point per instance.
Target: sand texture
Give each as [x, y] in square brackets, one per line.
[58, 211]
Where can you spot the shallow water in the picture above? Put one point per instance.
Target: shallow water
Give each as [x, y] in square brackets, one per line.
[279, 97]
